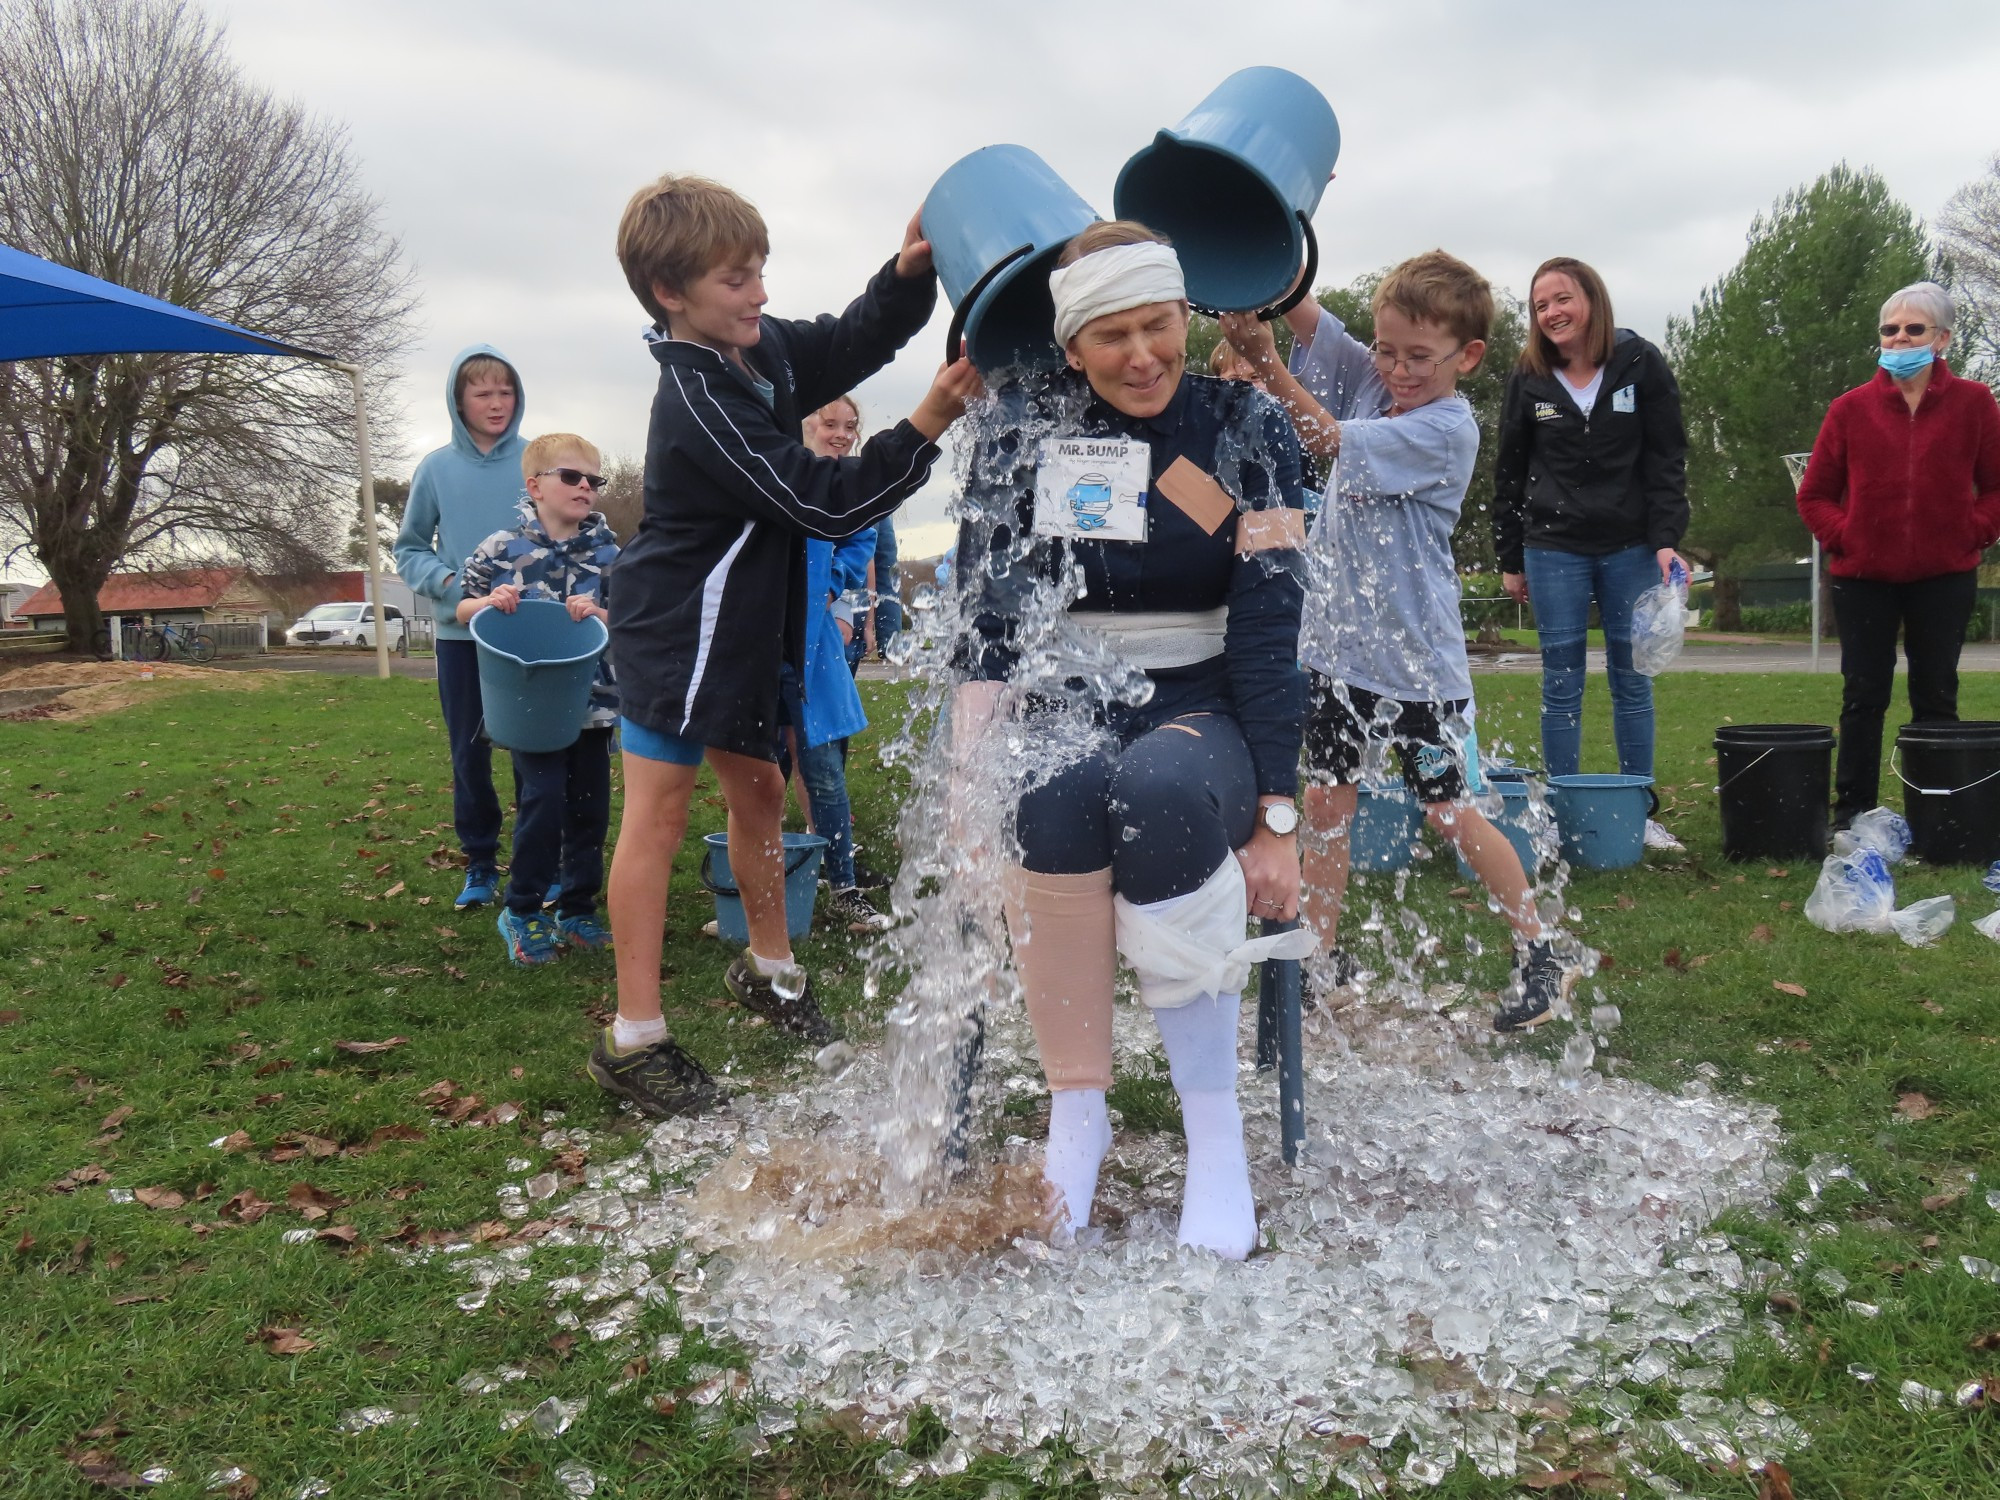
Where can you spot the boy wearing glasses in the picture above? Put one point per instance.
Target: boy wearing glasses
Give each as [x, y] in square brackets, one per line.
[562, 550]
[1382, 637]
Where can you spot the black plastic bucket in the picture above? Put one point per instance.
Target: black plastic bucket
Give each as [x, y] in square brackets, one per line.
[1951, 791]
[1774, 782]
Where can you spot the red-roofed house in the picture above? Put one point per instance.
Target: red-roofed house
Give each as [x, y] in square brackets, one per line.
[195, 596]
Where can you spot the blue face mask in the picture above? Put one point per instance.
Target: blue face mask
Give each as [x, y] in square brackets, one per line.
[1903, 363]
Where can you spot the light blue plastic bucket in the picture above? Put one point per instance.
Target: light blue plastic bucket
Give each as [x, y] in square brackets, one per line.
[1386, 823]
[1601, 819]
[802, 857]
[1235, 185]
[535, 670]
[997, 220]
[1516, 819]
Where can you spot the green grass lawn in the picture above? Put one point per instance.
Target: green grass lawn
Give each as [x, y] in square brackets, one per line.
[203, 896]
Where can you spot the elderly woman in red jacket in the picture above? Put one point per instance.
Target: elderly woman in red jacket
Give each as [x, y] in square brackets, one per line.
[1903, 492]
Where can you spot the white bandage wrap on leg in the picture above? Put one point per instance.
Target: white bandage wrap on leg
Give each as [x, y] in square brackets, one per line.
[1193, 945]
[1079, 1135]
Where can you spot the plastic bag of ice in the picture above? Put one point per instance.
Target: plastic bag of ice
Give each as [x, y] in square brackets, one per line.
[1855, 893]
[1659, 623]
[1887, 833]
[1989, 925]
[1922, 923]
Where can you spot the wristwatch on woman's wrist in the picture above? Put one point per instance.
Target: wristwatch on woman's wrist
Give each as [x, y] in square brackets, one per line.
[1282, 818]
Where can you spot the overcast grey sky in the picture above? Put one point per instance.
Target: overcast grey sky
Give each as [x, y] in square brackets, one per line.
[503, 139]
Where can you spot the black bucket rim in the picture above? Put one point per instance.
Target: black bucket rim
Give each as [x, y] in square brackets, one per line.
[1744, 734]
[1954, 731]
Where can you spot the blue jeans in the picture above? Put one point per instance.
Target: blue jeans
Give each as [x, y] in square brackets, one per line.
[823, 770]
[475, 809]
[1561, 586]
[560, 821]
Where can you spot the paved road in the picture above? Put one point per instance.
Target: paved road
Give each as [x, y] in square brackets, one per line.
[339, 663]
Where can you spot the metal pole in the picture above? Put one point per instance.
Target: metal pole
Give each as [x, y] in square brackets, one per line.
[368, 518]
[1815, 604]
[118, 638]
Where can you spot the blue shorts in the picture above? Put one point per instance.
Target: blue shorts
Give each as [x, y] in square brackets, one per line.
[651, 744]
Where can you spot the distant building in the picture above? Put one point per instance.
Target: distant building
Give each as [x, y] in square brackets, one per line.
[12, 597]
[192, 596]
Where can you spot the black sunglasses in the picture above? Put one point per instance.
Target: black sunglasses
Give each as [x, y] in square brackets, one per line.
[1914, 330]
[573, 477]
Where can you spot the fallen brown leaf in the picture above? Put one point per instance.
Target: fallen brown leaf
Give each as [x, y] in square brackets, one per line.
[1625, 901]
[1986, 1343]
[438, 1093]
[363, 1049]
[103, 1470]
[158, 1197]
[1548, 1479]
[246, 1207]
[490, 1229]
[1914, 1107]
[395, 890]
[24, 1244]
[10, 1018]
[134, 1298]
[282, 1340]
[1783, 1302]
[382, 1135]
[1932, 1006]
[309, 1202]
[1761, 933]
[1777, 873]
[1673, 960]
[236, 1140]
[82, 1176]
[116, 1118]
[1785, 987]
[1776, 1483]
[1938, 1202]
[337, 1234]
[517, 1071]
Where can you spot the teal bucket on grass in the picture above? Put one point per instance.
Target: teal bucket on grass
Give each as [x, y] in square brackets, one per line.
[535, 670]
[1517, 819]
[1235, 185]
[802, 858]
[1602, 818]
[997, 220]
[1386, 823]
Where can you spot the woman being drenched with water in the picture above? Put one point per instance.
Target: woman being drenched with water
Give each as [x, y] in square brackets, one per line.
[1175, 502]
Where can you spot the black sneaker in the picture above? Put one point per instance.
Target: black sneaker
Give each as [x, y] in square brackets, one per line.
[1541, 982]
[868, 878]
[850, 907]
[798, 1014]
[661, 1080]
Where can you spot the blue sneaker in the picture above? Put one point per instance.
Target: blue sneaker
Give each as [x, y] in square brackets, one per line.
[530, 940]
[584, 932]
[550, 897]
[482, 884]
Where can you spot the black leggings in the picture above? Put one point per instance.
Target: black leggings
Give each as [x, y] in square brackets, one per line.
[1164, 812]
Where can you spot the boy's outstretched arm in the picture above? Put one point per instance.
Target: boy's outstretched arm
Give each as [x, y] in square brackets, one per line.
[775, 477]
[832, 355]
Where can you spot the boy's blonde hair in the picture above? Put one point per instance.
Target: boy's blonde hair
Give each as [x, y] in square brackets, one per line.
[678, 229]
[480, 367]
[1440, 289]
[548, 451]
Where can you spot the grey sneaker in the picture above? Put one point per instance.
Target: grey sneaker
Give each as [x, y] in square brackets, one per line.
[798, 1014]
[849, 906]
[661, 1080]
[1541, 982]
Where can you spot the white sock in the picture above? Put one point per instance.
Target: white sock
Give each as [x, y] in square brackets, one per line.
[1218, 1212]
[770, 968]
[1079, 1135]
[627, 1035]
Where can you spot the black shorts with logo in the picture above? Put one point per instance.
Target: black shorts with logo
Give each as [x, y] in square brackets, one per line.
[1341, 720]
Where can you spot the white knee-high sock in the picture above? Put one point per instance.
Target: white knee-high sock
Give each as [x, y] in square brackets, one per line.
[1079, 1135]
[1218, 1212]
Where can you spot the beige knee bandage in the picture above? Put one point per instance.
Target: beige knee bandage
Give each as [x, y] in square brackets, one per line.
[1066, 952]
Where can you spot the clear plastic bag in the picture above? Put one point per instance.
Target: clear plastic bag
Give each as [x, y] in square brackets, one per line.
[1988, 926]
[1887, 833]
[1922, 923]
[1855, 893]
[1659, 623]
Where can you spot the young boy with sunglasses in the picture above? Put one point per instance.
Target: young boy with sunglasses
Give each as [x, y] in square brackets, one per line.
[562, 550]
[1382, 637]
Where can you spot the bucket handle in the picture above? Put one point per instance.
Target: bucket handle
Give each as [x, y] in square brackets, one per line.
[792, 867]
[1300, 289]
[1895, 764]
[1747, 769]
[955, 335]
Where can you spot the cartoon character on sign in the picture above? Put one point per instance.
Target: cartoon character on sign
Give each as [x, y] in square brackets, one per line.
[1090, 501]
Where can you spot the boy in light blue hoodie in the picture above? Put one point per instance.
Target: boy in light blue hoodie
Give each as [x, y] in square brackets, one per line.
[461, 494]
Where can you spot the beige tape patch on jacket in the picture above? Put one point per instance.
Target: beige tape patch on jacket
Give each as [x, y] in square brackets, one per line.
[1194, 491]
[1270, 531]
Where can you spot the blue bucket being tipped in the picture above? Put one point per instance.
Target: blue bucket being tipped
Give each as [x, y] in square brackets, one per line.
[802, 858]
[1235, 186]
[535, 670]
[1387, 821]
[997, 220]
[1602, 819]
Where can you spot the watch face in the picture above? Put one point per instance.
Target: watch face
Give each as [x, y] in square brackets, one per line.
[1281, 817]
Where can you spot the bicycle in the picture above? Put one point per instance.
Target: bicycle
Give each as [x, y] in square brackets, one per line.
[132, 634]
[161, 641]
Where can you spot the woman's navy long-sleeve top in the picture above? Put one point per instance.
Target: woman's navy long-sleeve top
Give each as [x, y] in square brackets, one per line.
[1236, 435]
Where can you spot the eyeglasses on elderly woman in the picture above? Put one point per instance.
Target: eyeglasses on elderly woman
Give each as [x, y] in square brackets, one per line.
[1913, 330]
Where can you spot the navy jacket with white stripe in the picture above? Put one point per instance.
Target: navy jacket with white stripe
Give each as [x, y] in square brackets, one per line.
[711, 593]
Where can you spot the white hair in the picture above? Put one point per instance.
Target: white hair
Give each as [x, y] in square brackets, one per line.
[1926, 297]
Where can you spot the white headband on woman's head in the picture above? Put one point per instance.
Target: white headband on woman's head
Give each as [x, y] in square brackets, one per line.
[1112, 280]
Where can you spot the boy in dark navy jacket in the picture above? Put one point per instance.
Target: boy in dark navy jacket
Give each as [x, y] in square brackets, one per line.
[711, 592]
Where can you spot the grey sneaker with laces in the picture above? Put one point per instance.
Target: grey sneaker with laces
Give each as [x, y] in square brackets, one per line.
[856, 911]
[661, 1080]
[799, 1014]
[1541, 982]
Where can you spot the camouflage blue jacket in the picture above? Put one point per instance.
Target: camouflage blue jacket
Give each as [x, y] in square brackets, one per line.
[543, 568]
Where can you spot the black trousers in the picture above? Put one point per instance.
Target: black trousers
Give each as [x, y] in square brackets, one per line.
[560, 822]
[1932, 614]
[475, 806]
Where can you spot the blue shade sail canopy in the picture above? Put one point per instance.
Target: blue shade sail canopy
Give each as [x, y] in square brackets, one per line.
[47, 310]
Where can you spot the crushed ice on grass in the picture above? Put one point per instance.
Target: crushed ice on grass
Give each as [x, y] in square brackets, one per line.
[1478, 1247]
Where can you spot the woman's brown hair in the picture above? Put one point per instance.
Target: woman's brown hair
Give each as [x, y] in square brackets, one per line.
[1538, 354]
[1104, 234]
